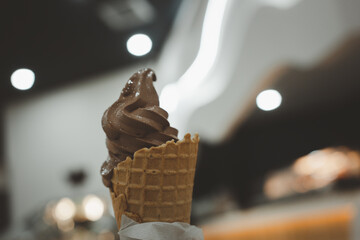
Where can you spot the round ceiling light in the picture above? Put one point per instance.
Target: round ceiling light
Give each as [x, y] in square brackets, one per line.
[139, 44]
[268, 100]
[22, 79]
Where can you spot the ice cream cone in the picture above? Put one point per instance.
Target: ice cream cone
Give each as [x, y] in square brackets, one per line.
[157, 185]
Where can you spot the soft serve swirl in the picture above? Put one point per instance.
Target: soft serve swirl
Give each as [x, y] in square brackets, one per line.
[134, 121]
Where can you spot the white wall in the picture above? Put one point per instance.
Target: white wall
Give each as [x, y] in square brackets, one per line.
[49, 135]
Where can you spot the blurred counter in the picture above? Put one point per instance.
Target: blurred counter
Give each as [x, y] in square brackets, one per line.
[326, 216]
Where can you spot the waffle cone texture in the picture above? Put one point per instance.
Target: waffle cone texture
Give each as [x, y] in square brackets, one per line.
[157, 185]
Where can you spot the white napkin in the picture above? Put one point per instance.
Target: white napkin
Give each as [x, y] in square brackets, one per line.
[131, 230]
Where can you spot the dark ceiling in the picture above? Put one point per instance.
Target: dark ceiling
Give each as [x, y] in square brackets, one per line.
[65, 41]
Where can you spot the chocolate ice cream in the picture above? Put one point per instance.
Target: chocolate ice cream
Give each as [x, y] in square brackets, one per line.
[134, 121]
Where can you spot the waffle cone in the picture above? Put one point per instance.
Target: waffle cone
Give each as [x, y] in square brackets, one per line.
[157, 185]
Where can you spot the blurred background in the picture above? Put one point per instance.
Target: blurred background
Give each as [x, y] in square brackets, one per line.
[271, 86]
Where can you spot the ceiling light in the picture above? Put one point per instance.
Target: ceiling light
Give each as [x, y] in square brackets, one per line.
[194, 77]
[268, 100]
[139, 44]
[23, 79]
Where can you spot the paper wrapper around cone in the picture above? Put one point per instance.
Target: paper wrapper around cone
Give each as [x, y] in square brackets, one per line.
[157, 185]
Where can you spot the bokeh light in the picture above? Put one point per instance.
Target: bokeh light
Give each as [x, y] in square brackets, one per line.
[22, 79]
[93, 207]
[66, 226]
[139, 44]
[268, 100]
[64, 210]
